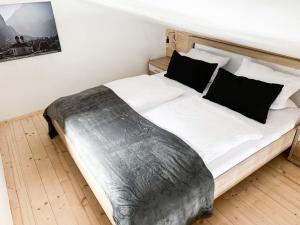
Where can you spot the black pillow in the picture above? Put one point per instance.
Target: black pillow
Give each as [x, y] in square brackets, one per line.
[193, 73]
[252, 98]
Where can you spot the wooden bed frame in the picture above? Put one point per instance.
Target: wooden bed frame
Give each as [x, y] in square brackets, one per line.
[182, 41]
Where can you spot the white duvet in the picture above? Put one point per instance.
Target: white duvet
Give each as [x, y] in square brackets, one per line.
[144, 92]
[208, 129]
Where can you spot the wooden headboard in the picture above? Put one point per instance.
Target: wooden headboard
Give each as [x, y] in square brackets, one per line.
[183, 42]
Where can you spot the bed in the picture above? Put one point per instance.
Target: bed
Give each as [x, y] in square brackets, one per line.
[242, 157]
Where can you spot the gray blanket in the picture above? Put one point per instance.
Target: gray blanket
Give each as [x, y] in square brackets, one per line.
[149, 175]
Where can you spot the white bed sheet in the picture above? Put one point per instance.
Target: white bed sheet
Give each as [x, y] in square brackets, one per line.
[278, 123]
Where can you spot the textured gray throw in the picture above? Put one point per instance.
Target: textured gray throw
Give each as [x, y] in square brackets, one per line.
[150, 176]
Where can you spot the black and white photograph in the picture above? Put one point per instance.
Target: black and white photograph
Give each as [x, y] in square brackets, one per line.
[26, 30]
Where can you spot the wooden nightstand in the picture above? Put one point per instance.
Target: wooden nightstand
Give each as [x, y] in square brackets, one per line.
[294, 155]
[159, 65]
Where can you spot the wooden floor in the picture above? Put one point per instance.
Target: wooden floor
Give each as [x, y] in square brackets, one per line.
[46, 188]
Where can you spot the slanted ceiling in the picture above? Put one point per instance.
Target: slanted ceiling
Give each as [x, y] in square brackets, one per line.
[272, 25]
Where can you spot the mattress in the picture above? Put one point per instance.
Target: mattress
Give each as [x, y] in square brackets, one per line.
[278, 123]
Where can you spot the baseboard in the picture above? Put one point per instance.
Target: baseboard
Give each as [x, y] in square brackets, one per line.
[22, 116]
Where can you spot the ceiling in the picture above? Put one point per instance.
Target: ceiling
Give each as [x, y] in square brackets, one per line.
[272, 25]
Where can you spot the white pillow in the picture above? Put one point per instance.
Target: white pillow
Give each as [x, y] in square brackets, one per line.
[257, 71]
[209, 58]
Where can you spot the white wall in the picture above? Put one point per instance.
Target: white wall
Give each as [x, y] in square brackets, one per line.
[273, 25]
[5, 213]
[98, 45]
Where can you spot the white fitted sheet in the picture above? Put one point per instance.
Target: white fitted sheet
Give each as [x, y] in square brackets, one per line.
[278, 123]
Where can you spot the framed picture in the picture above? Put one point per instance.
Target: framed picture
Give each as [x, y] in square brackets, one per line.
[26, 30]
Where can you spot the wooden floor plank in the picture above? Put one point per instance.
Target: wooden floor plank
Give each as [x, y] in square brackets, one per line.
[46, 188]
[246, 209]
[202, 222]
[248, 195]
[9, 167]
[61, 210]
[218, 218]
[63, 175]
[73, 200]
[76, 182]
[278, 190]
[35, 188]
[251, 204]
[233, 212]
[95, 206]
[21, 188]
[265, 203]
[287, 169]
[69, 182]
